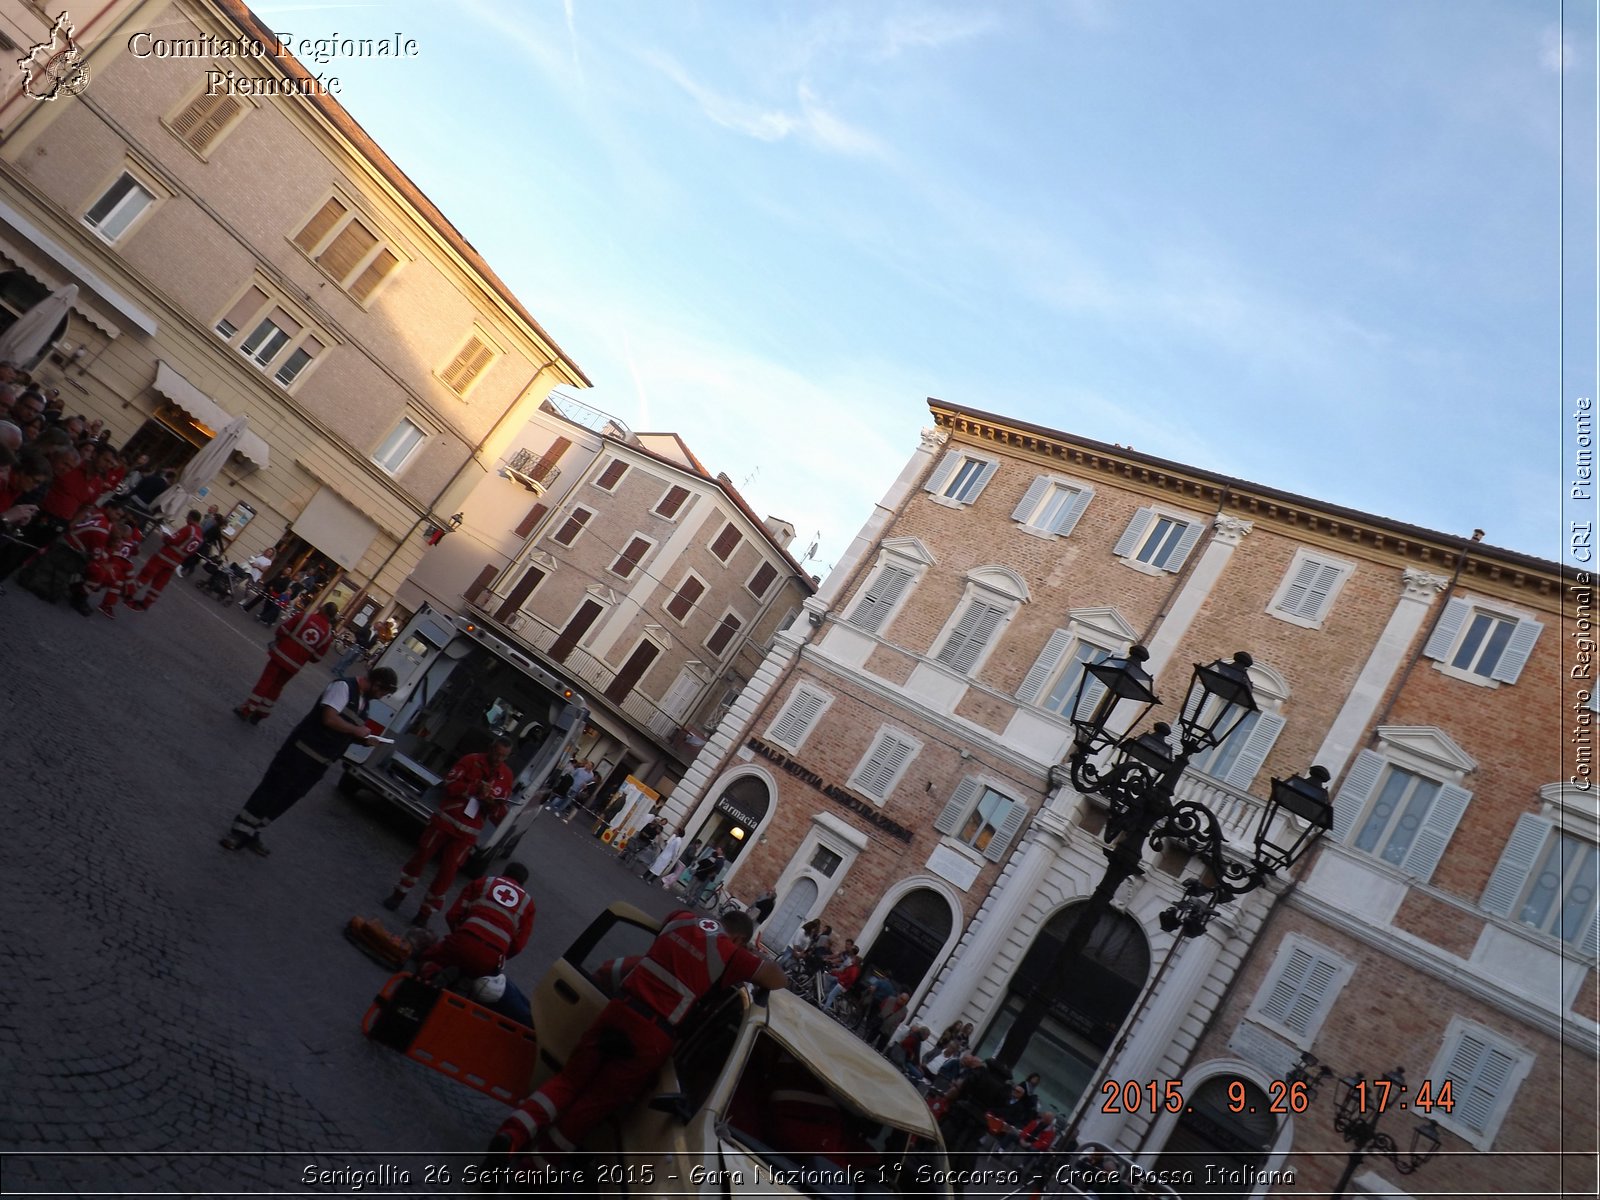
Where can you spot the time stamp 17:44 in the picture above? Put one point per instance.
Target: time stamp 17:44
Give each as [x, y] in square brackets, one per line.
[1370, 1096]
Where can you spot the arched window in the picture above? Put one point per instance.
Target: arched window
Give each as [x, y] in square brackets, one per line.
[913, 934]
[1226, 1126]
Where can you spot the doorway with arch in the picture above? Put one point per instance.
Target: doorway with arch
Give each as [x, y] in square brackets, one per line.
[912, 939]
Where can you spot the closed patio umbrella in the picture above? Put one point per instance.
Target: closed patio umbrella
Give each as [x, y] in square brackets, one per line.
[201, 470]
[27, 338]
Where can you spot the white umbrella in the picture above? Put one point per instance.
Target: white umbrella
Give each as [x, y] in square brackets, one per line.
[202, 468]
[27, 338]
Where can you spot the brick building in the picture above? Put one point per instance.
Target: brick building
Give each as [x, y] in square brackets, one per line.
[904, 734]
[623, 565]
[258, 255]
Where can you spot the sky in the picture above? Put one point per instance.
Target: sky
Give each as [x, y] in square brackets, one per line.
[1345, 249]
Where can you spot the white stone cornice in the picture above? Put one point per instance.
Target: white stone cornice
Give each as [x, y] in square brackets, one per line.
[932, 439]
[1422, 585]
[1230, 531]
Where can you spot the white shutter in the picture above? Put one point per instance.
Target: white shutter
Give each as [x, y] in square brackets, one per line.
[956, 811]
[972, 633]
[1478, 1073]
[1515, 656]
[1067, 521]
[1443, 637]
[1589, 943]
[1316, 601]
[986, 474]
[1313, 993]
[1307, 594]
[1030, 499]
[877, 775]
[1443, 815]
[1257, 743]
[1359, 782]
[874, 605]
[1186, 540]
[1294, 965]
[1516, 863]
[941, 473]
[1296, 595]
[1134, 533]
[1008, 830]
[1044, 667]
[795, 721]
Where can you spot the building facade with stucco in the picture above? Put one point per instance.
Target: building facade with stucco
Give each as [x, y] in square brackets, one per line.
[904, 736]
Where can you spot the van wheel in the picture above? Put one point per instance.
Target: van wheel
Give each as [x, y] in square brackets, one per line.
[349, 785]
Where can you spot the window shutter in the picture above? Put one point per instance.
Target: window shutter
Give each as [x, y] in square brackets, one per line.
[1511, 873]
[1443, 815]
[1315, 602]
[1478, 1073]
[1318, 979]
[726, 541]
[615, 470]
[972, 634]
[374, 274]
[955, 812]
[572, 526]
[1300, 600]
[982, 482]
[796, 719]
[1044, 667]
[202, 122]
[353, 244]
[549, 458]
[762, 579]
[1517, 650]
[1067, 521]
[1133, 534]
[1286, 984]
[875, 603]
[683, 602]
[1186, 540]
[467, 365]
[1030, 499]
[526, 525]
[320, 225]
[244, 308]
[1257, 744]
[1589, 943]
[631, 557]
[942, 472]
[1444, 633]
[723, 634]
[1357, 790]
[672, 501]
[484, 578]
[1015, 815]
[876, 776]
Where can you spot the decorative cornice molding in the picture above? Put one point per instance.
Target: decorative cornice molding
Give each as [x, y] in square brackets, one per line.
[1230, 531]
[932, 439]
[1422, 585]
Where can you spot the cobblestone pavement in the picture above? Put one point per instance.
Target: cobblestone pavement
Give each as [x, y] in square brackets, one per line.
[176, 1019]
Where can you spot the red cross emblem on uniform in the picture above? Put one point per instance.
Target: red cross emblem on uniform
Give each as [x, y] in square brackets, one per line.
[709, 925]
[504, 895]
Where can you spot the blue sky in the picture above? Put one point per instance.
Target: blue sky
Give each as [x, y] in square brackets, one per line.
[1317, 246]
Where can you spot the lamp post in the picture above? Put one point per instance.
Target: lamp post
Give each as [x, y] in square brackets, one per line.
[1361, 1106]
[1140, 784]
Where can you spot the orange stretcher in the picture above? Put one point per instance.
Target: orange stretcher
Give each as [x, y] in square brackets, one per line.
[454, 1036]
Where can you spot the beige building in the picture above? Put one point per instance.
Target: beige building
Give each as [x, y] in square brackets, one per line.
[620, 563]
[260, 256]
[903, 740]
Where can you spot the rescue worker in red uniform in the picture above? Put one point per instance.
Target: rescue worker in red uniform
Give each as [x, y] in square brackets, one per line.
[621, 1053]
[158, 568]
[114, 572]
[478, 785]
[489, 923]
[57, 574]
[299, 641]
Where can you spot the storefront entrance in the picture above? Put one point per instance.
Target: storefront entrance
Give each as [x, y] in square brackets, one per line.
[1217, 1135]
[912, 937]
[739, 810]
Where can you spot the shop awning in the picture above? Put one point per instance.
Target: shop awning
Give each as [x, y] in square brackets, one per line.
[334, 527]
[73, 270]
[208, 413]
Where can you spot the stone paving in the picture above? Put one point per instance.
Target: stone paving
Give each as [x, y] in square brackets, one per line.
[176, 1019]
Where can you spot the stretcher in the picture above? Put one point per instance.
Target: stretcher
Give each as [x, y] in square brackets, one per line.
[454, 1036]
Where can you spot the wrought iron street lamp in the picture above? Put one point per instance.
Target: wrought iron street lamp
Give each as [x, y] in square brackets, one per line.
[1139, 785]
[1361, 1106]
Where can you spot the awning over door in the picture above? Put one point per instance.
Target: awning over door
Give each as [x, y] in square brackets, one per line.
[72, 270]
[207, 412]
[334, 527]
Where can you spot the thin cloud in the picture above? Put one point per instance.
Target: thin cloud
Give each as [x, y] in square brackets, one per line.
[1556, 51]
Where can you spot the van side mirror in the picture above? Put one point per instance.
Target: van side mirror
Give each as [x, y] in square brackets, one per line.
[674, 1104]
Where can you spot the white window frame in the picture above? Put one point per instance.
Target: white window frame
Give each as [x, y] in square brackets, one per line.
[278, 361]
[733, 638]
[948, 476]
[1103, 628]
[1514, 876]
[583, 527]
[695, 604]
[1426, 752]
[638, 565]
[884, 735]
[1317, 568]
[1143, 527]
[997, 588]
[963, 804]
[901, 554]
[142, 184]
[1331, 969]
[804, 694]
[1516, 1071]
[1040, 495]
[1245, 752]
[410, 455]
[1455, 624]
[622, 462]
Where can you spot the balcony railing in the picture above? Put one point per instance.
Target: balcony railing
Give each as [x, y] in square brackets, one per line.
[529, 469]
[579, 413]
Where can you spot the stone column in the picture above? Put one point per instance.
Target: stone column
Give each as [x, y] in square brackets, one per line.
[1227, 533]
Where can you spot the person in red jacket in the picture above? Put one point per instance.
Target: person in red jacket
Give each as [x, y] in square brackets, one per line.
[158, 568]
[296, 642]
[478, 786]
[489, 923]
[114, 572]
[620, 1054]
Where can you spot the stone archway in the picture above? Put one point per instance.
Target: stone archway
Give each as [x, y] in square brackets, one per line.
[912, 937]
[1223, 1137]
[737, 814]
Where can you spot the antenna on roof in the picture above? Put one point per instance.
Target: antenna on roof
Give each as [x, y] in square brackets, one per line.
[750, 476]
[811, 552]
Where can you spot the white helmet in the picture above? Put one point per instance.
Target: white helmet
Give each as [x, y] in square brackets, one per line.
[488, 989]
